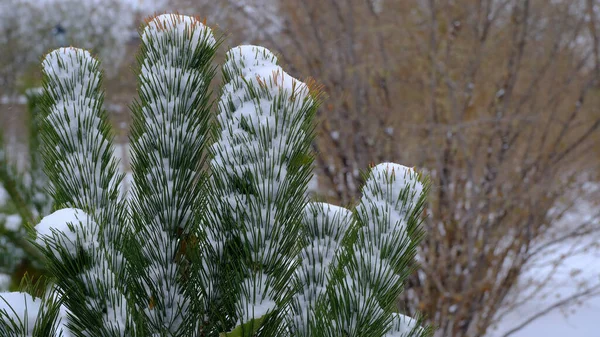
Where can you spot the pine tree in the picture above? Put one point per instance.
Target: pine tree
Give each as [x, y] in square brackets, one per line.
[218, 236]
[23, 199]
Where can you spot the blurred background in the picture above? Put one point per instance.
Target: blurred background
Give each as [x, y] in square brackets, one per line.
[498, 101]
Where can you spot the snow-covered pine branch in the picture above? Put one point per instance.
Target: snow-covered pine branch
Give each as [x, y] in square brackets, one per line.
[404, 326]
[83, 242]
[324, 228]
[39, 200]
[260, 169]
[169, 137]
[77, 137]
[236, 251]
[375, 266]
[23, 196]
[18, 313]
[22, 315]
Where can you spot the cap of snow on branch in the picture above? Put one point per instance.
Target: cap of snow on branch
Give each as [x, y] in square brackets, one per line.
[168, 25]
[403, 326]
[258, 97]
[67, 230]
[20, 308]
[396, 185]
[67, 69]
[257, 67]
[390, 194]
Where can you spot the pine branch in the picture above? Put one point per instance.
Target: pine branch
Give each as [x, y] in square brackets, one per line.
[375, 266]
[26, 191]
[39, 200]
[23, 315]
[13, 186]
[324, 228]
[77, 137]
[22, 242]
[83, 242]
[261, 166]
[169, 137]
[10, 181]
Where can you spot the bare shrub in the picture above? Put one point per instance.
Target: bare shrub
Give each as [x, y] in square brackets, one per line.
[496, 99]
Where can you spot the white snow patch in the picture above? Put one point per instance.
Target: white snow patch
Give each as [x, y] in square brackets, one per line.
[403, 177]
[3, 194]
[4, 281]
[259, 302]
[313, 184]
[13, 100]
[401, 325]
[69, 227]
[258, 66]
[13, 222]
[178, 24]
[20, 307]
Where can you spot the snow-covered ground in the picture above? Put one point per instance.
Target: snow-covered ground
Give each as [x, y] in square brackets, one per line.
[579, 270]
[585, 322]
[578, 320]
